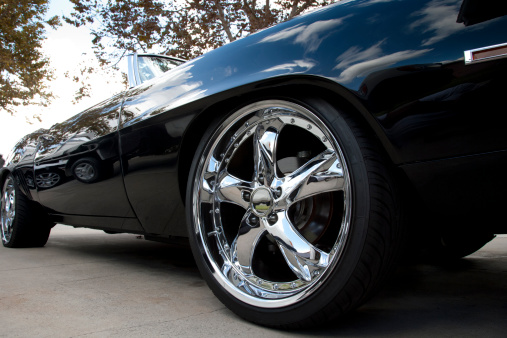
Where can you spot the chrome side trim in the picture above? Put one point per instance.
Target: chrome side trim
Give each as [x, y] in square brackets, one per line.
[470, 55]
[133, 71]
[163, 56]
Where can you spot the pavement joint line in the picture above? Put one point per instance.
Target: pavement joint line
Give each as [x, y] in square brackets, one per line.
[85, 279]
[53, 265]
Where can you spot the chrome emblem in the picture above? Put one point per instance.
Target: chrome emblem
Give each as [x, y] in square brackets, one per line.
[261, 201]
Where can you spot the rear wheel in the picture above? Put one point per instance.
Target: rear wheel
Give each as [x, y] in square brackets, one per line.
[292, 217]
[22, 224]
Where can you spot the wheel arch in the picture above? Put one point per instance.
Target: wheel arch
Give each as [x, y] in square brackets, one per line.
[288, 87]
[3, 176]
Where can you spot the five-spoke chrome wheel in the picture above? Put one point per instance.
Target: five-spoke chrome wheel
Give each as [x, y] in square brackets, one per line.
[8, 209]
[272, 203]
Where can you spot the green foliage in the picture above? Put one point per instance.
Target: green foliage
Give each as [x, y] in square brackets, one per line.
[23, 68]
[185, 28]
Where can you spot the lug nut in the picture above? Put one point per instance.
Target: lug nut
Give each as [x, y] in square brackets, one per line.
[246, 195]
[277, 192]
[253, 220]
[272, 219]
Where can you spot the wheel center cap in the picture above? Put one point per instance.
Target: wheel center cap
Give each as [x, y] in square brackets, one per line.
[261, 201]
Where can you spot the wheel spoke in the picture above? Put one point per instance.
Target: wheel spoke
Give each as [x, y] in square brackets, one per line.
[8, 209]
[321, 174]
[234, 190]
[301, 256]
[208, 181]
[265, 143]
[246, 242]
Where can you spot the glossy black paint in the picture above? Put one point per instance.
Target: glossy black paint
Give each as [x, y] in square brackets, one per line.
[397, 64]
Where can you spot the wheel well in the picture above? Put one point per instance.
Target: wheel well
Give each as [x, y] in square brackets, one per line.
[200, 124]
[3, 177]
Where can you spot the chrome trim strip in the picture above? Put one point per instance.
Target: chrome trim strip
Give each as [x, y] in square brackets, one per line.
[469, 54]
[162, 56]
[133, 71]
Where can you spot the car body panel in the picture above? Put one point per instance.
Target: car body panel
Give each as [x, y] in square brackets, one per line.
[93, 136]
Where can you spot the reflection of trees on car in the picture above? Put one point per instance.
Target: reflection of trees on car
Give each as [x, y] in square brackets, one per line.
[101, 119]
[80, 147]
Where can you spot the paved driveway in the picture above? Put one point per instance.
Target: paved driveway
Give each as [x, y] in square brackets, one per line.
[87, 283]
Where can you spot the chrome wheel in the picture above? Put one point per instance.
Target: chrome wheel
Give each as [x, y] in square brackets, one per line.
[47, 180]
[8, 207]
[271, 204]
[84, 171]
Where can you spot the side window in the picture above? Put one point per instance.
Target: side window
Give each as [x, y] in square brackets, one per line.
[153, 66]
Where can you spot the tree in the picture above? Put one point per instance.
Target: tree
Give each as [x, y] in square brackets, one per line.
[24, 70]
[185, 28]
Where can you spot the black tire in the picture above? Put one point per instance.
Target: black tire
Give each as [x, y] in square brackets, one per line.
[87, 170]
[23, 224]
[355, 231]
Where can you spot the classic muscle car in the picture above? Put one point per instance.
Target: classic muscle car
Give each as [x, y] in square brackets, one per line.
[297, 161]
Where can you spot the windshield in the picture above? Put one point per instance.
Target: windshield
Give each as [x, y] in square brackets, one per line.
[153, 66]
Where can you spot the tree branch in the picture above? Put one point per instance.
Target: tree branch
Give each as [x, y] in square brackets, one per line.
[222, 18]
[294, 9]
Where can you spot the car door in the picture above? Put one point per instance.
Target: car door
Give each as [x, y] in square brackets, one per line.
[149, 147]
[77, 168]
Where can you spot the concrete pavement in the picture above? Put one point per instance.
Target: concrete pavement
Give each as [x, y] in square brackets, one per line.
[87, 283]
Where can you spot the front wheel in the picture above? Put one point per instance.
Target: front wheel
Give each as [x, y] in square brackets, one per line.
[291, 211]
[23, 225]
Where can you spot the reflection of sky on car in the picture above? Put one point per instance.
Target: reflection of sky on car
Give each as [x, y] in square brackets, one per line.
[309, 36]
[70, 144]
[175, 84]
[438, 18]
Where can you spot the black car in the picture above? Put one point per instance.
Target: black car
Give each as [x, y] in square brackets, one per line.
[299, 161]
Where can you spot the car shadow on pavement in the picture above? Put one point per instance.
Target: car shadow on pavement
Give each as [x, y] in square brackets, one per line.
[466, 298]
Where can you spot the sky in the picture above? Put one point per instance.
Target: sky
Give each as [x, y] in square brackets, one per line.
[66, 47]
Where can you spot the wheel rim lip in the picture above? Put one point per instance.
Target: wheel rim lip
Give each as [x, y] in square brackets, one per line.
[286, 297]
[8, 209]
